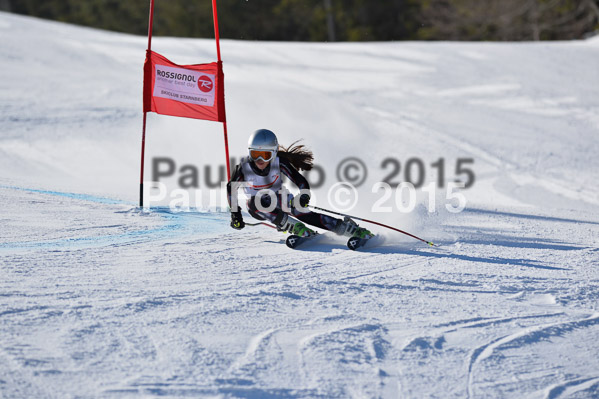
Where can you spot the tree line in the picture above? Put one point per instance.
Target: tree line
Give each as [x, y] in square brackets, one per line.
[331, 20]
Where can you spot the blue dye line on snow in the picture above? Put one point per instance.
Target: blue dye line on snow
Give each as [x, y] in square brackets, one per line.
[83, 197]
[178, 223]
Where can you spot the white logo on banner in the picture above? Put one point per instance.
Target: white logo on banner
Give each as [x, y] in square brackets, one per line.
[184, 85]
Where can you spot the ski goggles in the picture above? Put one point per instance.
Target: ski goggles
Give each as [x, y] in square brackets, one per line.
[265, 155]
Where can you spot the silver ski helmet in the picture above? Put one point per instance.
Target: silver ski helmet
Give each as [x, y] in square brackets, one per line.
[263, 145]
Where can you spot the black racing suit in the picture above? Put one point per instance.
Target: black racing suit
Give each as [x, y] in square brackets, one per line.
[312, 218]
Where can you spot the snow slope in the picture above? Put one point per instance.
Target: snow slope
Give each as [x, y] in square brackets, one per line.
[100, 299]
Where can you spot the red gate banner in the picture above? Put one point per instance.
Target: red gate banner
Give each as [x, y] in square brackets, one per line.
[190, 91]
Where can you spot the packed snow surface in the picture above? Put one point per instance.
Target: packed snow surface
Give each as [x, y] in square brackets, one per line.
[99, 298]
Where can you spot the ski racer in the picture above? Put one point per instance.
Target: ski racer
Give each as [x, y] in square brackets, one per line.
[262, 170]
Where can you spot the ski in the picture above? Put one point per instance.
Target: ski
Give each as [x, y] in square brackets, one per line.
[356, 242]
[294, 241]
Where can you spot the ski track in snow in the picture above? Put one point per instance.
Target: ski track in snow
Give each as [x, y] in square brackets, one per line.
[335, 347]
[526, 336]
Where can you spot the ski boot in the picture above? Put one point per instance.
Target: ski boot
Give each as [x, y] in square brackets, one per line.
[349, 228]
[295, 227]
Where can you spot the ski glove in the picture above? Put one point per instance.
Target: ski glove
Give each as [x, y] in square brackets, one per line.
[304, 199]
[237, 221]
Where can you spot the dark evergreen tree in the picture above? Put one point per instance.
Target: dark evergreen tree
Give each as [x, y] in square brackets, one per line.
[321, 20]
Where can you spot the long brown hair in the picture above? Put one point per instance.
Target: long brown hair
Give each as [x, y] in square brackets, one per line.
[298, 155]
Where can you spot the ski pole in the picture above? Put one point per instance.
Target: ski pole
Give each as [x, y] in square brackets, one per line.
[373, 222]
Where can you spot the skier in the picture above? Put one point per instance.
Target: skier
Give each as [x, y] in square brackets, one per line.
[263, 170]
